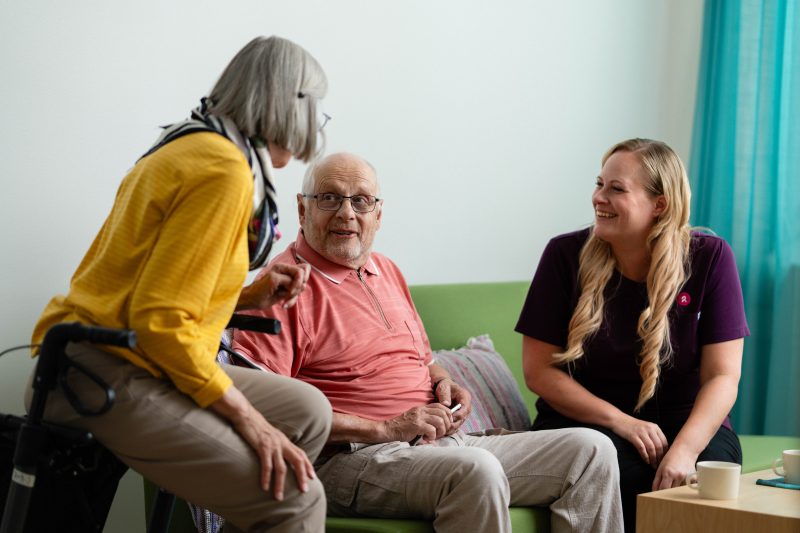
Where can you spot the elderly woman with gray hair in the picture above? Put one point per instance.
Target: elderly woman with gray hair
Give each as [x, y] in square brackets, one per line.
[192, 215]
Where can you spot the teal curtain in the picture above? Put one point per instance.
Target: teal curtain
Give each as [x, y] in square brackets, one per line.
[745, 175]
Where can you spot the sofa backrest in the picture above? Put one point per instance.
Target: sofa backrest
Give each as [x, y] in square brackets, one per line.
[452, 313]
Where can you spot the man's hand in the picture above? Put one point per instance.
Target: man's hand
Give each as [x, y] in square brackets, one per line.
[432, 421]
[279, 283]
[449, 393]
[646, 437]
[273, 448]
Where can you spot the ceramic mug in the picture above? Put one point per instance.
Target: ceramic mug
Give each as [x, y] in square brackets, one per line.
[715, 480]
[789, 462]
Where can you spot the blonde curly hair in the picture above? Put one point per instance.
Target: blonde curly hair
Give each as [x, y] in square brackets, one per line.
[668, 245]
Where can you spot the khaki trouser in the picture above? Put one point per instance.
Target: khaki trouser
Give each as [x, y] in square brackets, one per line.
[466, 482]
[162, 434]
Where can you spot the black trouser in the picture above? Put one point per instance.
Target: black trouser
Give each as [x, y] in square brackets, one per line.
[636, 476]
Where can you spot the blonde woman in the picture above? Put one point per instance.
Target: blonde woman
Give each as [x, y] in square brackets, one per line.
[635, 326]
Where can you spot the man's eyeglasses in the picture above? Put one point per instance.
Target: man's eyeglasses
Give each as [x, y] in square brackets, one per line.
[330, 201]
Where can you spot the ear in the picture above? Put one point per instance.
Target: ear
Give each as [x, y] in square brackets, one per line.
[379, 215]
[660, 206]
[301, 209]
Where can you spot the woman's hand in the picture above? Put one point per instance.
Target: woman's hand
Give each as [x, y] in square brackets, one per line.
[273, 448]
[646, 437]
[675, 466]
[278, 283]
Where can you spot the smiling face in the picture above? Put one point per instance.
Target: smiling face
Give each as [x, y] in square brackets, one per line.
[625, 211]
[343, 237]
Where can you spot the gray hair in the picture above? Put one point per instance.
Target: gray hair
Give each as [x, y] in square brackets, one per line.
[271, 89]
[309, 178]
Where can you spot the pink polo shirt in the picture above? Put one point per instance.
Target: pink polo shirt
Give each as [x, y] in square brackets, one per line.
[355, 335]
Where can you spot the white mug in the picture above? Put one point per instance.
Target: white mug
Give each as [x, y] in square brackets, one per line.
[715, 480]
[790, 464]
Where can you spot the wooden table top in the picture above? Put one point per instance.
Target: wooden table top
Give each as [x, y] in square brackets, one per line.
[758, 507]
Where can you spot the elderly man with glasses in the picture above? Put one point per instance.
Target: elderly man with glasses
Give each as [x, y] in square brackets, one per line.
[395, 449]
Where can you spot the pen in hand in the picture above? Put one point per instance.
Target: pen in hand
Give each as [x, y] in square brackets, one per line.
[415, 440]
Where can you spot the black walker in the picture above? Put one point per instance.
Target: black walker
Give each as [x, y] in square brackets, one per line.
[39, 441]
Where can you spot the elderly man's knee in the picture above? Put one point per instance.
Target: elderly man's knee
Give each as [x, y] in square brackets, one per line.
[598, 441]
[598, 449]
[480, 467]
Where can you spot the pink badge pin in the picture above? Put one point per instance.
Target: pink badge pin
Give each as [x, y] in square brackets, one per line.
[684, 299]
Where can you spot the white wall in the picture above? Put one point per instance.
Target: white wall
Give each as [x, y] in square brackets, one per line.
[486, 121]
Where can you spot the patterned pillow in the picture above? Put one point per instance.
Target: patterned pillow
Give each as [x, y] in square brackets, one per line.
[496, 401]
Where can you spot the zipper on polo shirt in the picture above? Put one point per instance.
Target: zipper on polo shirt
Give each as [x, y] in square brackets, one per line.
[374, 299]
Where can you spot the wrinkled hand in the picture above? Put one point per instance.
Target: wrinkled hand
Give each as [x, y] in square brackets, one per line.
[646, 437]
[450, 393]
[432, 421]
[273, 448]
[674, 468]
[281, 283]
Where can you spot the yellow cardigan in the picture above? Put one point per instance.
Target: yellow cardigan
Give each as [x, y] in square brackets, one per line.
[169, 262]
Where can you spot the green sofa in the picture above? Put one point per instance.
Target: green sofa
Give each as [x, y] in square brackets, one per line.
[451, 314]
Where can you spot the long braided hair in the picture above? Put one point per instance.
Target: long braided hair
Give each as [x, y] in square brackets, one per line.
[668, 245]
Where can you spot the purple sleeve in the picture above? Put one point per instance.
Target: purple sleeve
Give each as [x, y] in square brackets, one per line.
[722, 315]
[551, 298]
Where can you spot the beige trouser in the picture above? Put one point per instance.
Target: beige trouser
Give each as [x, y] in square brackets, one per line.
[162, 434]
[466, 483]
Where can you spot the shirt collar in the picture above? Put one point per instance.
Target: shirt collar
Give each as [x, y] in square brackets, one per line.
[332, 271]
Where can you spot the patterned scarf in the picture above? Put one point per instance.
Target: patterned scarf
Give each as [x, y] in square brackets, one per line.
[262, 229]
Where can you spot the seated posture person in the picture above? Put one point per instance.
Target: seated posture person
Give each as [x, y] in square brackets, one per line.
[169, 263]
[635, 326]
[355, 334]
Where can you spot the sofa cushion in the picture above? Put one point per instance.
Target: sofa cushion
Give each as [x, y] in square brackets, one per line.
[496, 401]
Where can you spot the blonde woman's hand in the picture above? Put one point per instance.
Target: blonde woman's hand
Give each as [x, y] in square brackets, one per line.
[674, 467]
[646, 437]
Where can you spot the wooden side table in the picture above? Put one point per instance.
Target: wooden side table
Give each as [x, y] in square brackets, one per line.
[759, 509]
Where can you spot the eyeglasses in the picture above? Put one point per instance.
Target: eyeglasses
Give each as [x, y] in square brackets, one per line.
[330, 201]
[323, 119]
